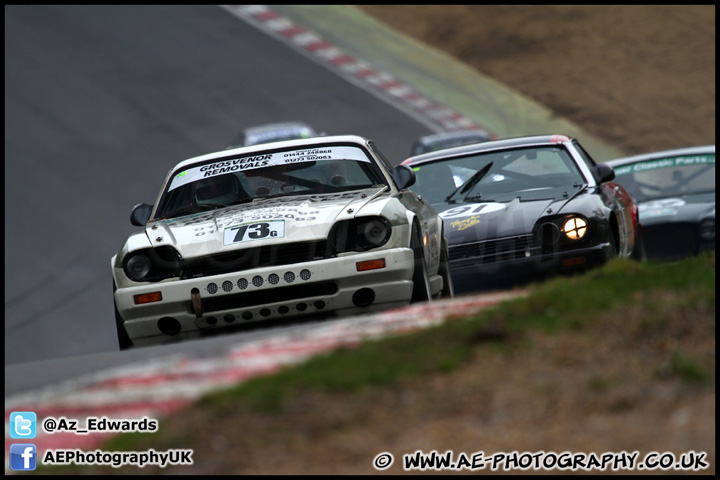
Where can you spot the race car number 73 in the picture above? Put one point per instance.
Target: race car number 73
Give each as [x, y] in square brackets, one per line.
[254, 231]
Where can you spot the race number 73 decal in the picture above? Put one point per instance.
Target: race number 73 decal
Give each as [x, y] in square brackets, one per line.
[254, 231]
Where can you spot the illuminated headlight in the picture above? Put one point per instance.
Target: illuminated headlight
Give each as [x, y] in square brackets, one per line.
[137, 267]
[707, 229]
[574, 228]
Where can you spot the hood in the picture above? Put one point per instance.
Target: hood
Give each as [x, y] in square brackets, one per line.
[689, 208]
[265, 222]
[469, 223]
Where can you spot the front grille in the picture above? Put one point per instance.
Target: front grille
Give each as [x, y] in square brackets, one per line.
[263, 297]
[258, 257]
[496, 250]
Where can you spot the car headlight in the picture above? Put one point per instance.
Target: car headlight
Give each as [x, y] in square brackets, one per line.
[152, 264]
[373, 233]
[574, 228]
[137, 267]
[360, 234]
[707, 229]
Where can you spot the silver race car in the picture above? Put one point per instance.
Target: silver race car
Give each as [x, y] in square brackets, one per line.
[438, 141]
[278, 230]
[273, 132]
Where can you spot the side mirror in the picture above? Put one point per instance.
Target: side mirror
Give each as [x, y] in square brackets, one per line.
[403, 176]
[140, 214]
[603, 173]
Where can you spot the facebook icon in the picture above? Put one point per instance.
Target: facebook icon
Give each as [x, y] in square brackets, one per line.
[23, 456]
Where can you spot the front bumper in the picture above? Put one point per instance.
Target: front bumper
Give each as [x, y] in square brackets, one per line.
[472, 274]
[330, 285]
[673, 241]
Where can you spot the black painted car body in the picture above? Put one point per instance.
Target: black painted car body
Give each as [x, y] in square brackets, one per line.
[517, 210]
[675, 194]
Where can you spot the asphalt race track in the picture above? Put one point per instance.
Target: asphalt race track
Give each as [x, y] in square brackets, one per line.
[101, 102]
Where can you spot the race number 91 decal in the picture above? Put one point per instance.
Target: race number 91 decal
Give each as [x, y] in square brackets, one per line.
[247, 232]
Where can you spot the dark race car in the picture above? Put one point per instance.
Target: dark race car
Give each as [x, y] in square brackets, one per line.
[675, 194]
[519, 209]
[438, 141]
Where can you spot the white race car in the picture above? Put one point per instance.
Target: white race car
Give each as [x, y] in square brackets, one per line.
[285, 229]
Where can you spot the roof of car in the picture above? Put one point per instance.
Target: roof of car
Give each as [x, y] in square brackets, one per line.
[490, 145]
[301, 143]
[454, 134]
[705, 149]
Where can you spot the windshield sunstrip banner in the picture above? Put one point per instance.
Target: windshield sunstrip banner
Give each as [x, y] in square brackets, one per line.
[267, 160]
[665, 163]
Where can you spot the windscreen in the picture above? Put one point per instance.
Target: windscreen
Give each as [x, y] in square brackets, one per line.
[245, 178]
[528, 173]
[668, 177]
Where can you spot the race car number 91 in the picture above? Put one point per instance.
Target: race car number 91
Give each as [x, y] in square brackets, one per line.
[254, 231]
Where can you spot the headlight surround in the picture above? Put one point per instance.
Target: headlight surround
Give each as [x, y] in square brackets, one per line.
[563, 232]
[360, 234]
[574, 228]
[152, 264]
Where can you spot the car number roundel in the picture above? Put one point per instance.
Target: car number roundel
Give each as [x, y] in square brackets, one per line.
[247, 232]
[473, 209]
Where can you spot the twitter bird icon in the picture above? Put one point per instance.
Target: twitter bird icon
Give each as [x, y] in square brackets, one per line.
[23, 425]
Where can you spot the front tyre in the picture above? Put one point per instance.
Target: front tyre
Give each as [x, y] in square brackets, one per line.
[124, 341]
[421, 282]
[448, 290]
[614, 241]
[639, 252]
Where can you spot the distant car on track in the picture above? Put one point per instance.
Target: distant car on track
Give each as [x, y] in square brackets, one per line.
[437, 141]
[518, 209]
[273, 132]
[278, 230]
[675, 194]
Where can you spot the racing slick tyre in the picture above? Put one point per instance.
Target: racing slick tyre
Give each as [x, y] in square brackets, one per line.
[614, 239]
[448, 291]
[123, 339]
[639, 252]
[421, 283]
